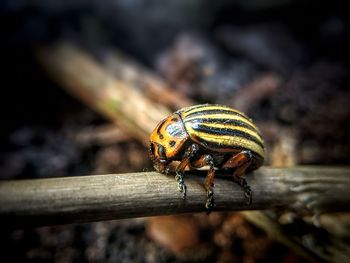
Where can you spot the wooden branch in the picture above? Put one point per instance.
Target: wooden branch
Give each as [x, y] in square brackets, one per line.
[111, 90]
[104, 197]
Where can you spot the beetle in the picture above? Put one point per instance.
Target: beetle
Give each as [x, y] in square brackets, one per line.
[212, 135]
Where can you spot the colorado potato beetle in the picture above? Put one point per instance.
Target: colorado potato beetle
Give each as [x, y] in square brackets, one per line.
[210, 135]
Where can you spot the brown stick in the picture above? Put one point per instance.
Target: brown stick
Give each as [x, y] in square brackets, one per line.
[120, 101]
[104, 197]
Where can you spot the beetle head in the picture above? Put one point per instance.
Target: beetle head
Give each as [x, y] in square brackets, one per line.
[166, 141]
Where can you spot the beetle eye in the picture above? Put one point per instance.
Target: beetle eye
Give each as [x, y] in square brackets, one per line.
[161, 152]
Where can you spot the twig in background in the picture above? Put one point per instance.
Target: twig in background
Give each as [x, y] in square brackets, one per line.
[100, 90]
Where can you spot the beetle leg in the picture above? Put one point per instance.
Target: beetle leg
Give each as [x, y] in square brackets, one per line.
[209, 180]
[180, 179]
[241, 161]
[189, 154]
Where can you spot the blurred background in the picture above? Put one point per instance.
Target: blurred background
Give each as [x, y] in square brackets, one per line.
[284, 63]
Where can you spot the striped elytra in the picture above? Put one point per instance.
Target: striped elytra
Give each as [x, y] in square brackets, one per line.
[221, 128]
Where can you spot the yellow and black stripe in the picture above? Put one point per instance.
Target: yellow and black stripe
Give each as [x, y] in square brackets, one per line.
[221, 128]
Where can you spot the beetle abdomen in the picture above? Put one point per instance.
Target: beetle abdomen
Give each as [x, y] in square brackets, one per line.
[222, 129]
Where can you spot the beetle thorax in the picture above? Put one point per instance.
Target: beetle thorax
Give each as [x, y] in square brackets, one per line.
[168, 138]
